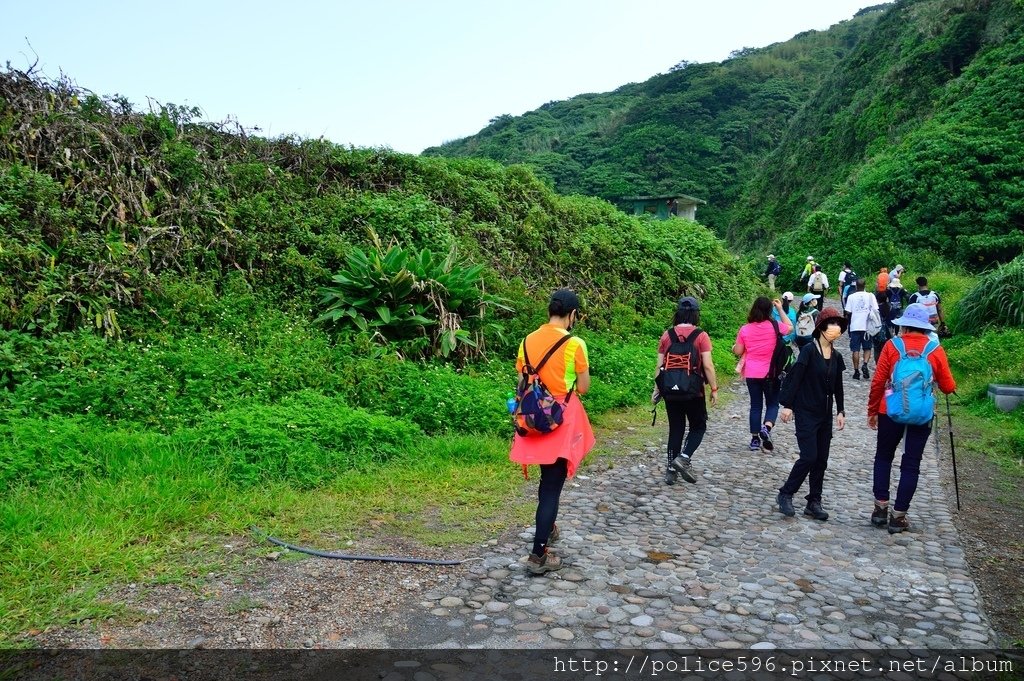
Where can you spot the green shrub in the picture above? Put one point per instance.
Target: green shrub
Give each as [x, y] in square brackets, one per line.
[307, 439]
[403, 295]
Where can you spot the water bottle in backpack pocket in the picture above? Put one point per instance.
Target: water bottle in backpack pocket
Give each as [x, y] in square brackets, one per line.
[909, 394]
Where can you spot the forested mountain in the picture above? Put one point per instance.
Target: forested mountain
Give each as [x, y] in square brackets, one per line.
[898, 129]
[914, 141]
[699, 129]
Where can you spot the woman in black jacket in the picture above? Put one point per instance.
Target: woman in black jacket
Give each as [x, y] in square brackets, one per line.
[810, 387]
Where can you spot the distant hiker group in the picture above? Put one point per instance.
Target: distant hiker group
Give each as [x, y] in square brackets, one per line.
[896, 331]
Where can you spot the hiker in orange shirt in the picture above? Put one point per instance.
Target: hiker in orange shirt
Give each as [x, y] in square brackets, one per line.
[566, 374]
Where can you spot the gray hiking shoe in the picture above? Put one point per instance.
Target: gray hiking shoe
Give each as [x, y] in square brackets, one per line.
[670, 475]
[685, 468]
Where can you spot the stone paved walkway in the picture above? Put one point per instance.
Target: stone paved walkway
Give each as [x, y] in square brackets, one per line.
[716, 565]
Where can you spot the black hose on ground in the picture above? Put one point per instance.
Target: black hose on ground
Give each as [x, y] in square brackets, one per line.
[343, 556]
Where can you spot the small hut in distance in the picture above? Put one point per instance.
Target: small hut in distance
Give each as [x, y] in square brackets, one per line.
[663, 207]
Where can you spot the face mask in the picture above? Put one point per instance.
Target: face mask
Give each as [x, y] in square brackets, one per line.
[831, 333]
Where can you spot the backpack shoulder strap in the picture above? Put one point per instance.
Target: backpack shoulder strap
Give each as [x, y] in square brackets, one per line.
[897, 343]
[692, 336]
[559, 343]
[930, 347]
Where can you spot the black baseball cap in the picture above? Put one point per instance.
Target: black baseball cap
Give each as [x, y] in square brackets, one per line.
[689, 301]
[567, 299]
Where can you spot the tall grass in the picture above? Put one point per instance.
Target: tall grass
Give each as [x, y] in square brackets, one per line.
[997, 299]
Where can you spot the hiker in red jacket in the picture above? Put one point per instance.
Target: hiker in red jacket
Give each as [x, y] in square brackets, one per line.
[914, 328]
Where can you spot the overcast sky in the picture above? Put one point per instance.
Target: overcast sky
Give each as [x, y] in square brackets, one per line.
[403, 74]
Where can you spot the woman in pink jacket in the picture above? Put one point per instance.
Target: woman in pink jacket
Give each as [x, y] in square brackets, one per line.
[755, 344]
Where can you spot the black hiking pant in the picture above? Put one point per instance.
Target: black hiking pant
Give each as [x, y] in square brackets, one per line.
[680, 412]
[552, 478]
[814, 437]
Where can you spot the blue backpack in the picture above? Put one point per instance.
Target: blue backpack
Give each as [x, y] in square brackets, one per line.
[909, 396]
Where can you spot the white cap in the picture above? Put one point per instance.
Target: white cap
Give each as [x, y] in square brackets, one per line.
[810, 258]
[771, 257]
[788, 295]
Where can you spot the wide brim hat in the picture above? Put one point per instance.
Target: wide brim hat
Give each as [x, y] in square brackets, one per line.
[915, 316]
[830, 315]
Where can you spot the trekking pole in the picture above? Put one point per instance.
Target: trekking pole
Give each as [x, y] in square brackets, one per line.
[952, 449]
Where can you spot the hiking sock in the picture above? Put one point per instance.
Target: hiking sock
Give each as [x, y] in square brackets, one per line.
[899, 514]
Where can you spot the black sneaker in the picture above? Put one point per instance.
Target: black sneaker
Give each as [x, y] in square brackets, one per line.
[815, 510]
[880, 515]
[864, 372]
[785, 502]
[765, 437]
[755, 444]
[897, 525]
[670, 475]
[685, 468]
[856, 375]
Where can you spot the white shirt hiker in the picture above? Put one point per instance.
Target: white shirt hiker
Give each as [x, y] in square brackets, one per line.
[817, 283]
[859, 305]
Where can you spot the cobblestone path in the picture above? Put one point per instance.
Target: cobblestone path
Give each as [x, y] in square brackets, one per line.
[716, 565]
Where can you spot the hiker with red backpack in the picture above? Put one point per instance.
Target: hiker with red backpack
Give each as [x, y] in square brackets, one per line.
[755, 346]
[901, 405]
[811, 387]
[684, 365]
[554, 370]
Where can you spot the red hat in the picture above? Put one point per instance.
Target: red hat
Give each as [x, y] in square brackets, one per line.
[829, 315]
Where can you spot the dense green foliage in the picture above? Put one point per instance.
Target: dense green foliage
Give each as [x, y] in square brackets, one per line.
[918, 130]
[101, 205]
[166, 277]
[699, 129]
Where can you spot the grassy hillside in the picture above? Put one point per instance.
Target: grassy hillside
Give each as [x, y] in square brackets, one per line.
[698, 129]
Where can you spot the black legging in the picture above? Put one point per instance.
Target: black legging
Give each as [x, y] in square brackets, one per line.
[695, 412]
[552, 477]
